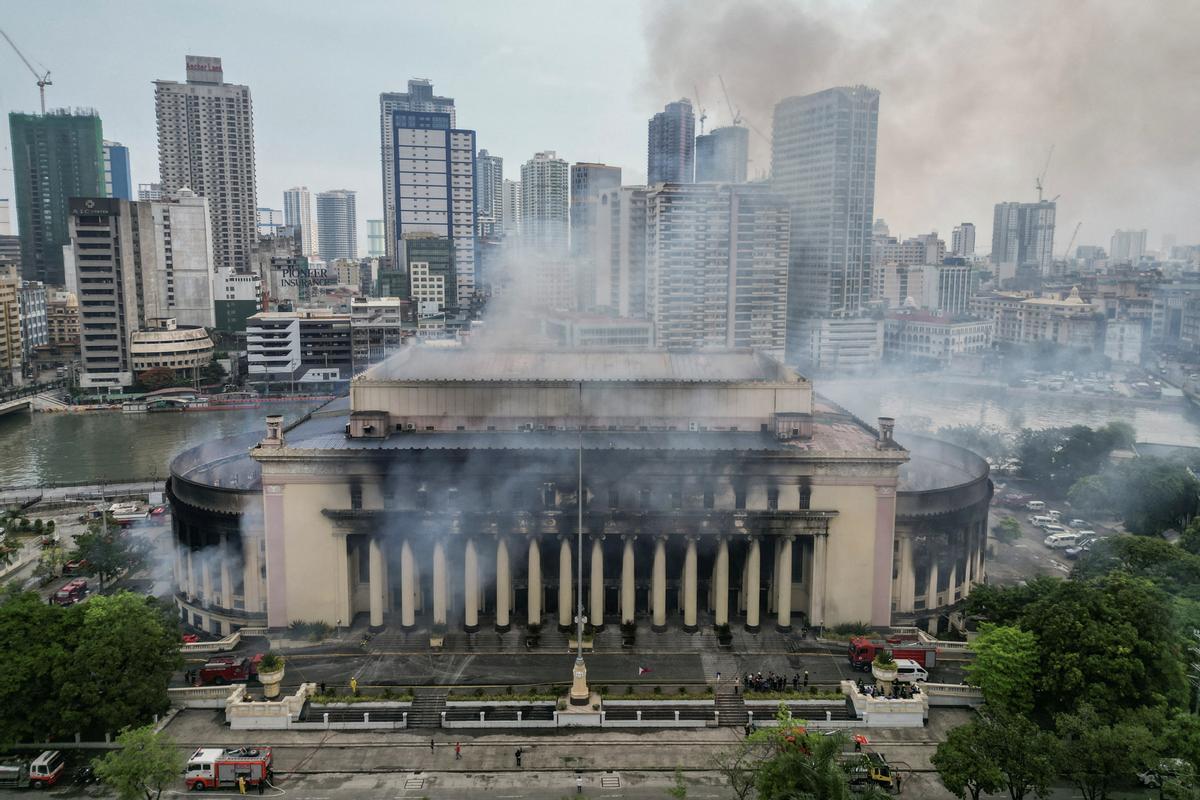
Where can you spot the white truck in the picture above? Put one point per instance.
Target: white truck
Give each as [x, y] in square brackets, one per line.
[220, 767]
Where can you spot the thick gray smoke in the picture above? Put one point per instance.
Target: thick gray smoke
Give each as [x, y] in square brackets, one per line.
[973, 96]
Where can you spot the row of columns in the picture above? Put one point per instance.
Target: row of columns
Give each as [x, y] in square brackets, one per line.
[204, 587]
[409, 590]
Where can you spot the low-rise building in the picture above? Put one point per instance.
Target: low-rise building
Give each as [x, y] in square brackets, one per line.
[1123, 340]
[376, 328]
[62, 318]
[163, 344]
[911, 333]
[309, 345]
[1020, 318]
[31, 298]
[841, 343]
[597, 332]
[239, 296]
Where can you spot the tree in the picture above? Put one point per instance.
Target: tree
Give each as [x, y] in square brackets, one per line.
[36, 642]
[1094, 755]
[1005, 666]
[110, 552]
[117, 675]
[964, 763]
[1091, 494]
[1023, 754]
[1153, 495]
[145, 765]
[1008, 529]
[679, 790]
[1058, 457]
[8, 552]
[156, 378]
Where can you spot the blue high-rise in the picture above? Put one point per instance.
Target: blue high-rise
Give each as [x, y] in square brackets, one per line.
[118, 181]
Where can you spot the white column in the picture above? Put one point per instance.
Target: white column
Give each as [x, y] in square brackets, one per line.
[907, 577]
[206, 580]
[345, 604]
[503, 584]
[818, 582]
[931, 587]
[783, 603]
[535, 582]
[597, 582]
[628, 591]
[565, 615]
[690, 585]
[226, 577]
[659, 618]
[753, 570]
[408, 587]
[439, 583]
[721, 582]
[191, 575]
[252, 580]
[375, 579]
[470, 588]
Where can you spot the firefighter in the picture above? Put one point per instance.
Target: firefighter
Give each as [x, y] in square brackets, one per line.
[242, 784]
[518, 755]
[354, 686]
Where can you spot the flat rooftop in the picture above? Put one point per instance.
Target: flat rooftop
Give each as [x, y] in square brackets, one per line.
[472, 364]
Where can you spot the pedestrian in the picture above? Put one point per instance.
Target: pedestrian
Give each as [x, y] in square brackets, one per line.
[806, 677]
[354, 686]
[718, 677]
[736, 686]
[518, 755]
[857, 745]
[431, 745]
[578, 784]
[262, 782]
[242, 784]
[458, 751]
[322, 685]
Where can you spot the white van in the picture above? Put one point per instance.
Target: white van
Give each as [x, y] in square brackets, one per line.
[1041, 520]
[909, 671]
[1052, 529]
[1060, 541]
[1035, 505]
[1055, 515]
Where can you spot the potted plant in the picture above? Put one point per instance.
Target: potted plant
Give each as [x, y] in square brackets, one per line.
[724, 635]
[883, 669]
[628, 633]
[270, 673]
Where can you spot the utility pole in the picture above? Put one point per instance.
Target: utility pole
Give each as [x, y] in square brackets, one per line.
[43, 79]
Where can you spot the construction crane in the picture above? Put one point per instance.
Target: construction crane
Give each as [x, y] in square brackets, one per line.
[43, 79]
[736, 116]
[1067, 254]
[703, 113]
[1040, 178]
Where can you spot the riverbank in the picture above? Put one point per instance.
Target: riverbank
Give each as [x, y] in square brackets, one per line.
[212, 404]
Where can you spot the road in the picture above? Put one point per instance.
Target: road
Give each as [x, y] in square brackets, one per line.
[21, 494]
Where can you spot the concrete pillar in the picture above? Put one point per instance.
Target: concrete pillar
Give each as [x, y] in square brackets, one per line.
[565, 616]
[952, 582]
[628, 592]
[535, 582]
[659, 578]
[783, 600]
[907, 577]
[753, 568]
[342, 596]
[440, 583]
[721, 583]
[376, 588]
[470, 588]
[408, 587]
[252, 580]
[597, 582]
[206, 578]
[190, 588]
[226, 575]
[931, 585]
[820, 542]
[690, 585]
[773, 589]
[503, 585]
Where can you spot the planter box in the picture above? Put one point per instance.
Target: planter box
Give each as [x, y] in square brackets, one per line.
[366, 705]
[658, 701]
[482, 703]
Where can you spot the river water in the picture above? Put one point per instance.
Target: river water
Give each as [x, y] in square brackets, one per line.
[94, 447]
[928, 402]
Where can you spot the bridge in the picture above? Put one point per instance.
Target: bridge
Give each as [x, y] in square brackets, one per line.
[40, 401]
[69, 492]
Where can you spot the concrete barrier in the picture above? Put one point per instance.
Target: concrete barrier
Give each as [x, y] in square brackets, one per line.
[219, 646]
[953, 694]
[205, 696]
[885, 712]
[261, 715]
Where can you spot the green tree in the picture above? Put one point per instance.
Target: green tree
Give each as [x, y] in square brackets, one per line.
[117, 675]
[1058, 457]
[1154, 495]
[36, 642]
[964, 763]
[1008, 529]
[156, 378]
[110, 551]
[145, 765]
[1023, 754]
[8, 552]
[1095, 755]
[1091, 494]
[1005, 667]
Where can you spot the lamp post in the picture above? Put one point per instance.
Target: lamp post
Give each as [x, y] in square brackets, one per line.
[580, 694]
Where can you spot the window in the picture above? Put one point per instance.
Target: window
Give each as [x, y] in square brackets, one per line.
[614, 497]
[356, 496]
[773, 498]
[739, 497]
[709, 499]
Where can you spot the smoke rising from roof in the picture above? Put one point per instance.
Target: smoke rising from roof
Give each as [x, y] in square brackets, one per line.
[973, 96]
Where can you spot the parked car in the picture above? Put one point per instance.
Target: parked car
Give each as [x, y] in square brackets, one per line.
[1078, 523]
[1165, 770]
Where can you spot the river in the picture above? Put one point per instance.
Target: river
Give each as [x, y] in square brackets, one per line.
[926, 402]
[94, 447]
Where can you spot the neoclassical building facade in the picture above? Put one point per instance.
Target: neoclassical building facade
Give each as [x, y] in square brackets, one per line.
[445, 491]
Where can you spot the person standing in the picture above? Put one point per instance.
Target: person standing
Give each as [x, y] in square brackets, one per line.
[354, 686]
[431, 745]
[806, 677]
[578, 784]
[458, 751]
[518, 755]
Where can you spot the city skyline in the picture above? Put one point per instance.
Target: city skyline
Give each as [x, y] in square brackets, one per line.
[340, 146]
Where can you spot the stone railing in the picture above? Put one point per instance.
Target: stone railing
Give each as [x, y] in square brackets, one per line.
[262, 715]
[887, 712]
[218, 646]
[205, 696]
[953, 694]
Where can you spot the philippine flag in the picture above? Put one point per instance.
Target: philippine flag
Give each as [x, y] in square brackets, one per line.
[643, 671]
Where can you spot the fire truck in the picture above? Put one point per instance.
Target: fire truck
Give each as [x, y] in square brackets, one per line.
[71, 592]
[229, 669]
[41, 773]
[216, 767]
[862, 651]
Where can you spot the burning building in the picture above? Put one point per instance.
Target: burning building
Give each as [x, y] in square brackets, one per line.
[717, 488]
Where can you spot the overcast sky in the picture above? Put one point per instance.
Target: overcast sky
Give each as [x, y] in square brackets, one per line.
[972, 98]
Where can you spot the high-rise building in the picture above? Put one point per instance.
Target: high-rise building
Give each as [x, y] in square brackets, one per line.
[237, 296]
[925, 248]
[823, 163]
[376, 238]
[511, 207]
[150, 191]
[717, 266]
[962, 240]
[10, 326]
[545, 203]
[56, 156]
[268, 221]
[1127, 246]
[671, 144]
[722, 155]
[166, 274]
[35, 331]
[206, 144]
[588, 183]
[297, 215]
[62, 318]
[118, 181]
[435, 187]
[5, 223]
[419, 97]
[489, 195]
[618, 263]
[1023, 235]
[337, 224]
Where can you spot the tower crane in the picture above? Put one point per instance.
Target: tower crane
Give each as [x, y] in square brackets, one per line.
[1067, 254]
[736, 116]
[1040, 178]
[43, 79]
[703, 112]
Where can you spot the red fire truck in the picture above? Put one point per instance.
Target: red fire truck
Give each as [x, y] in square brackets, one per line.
[71, 592]
[228, 669]
[216, 767]
[862, 651]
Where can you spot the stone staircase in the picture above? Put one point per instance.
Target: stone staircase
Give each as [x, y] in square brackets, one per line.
[731, 707]
[427, 708]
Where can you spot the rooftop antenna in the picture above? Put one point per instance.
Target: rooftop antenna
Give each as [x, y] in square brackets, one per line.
[703, 112]
[43, 79]
[1040, 178]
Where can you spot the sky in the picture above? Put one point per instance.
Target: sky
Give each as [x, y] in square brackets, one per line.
[974, 93]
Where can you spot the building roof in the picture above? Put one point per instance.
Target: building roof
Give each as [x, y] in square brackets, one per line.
[474, 364]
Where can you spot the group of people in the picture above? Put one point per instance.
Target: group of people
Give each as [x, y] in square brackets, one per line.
[900, 691]
[757, 682]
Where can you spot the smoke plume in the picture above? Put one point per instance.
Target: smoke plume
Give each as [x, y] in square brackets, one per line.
[973, 95]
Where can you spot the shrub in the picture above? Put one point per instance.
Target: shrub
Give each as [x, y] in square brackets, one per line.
[884, 660]
[271, 662]
[658, 690]
[628, 690]
[313, 631]
[682, 690]
[852, 628]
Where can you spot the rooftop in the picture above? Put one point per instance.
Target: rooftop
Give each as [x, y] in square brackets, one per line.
[474, 364]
